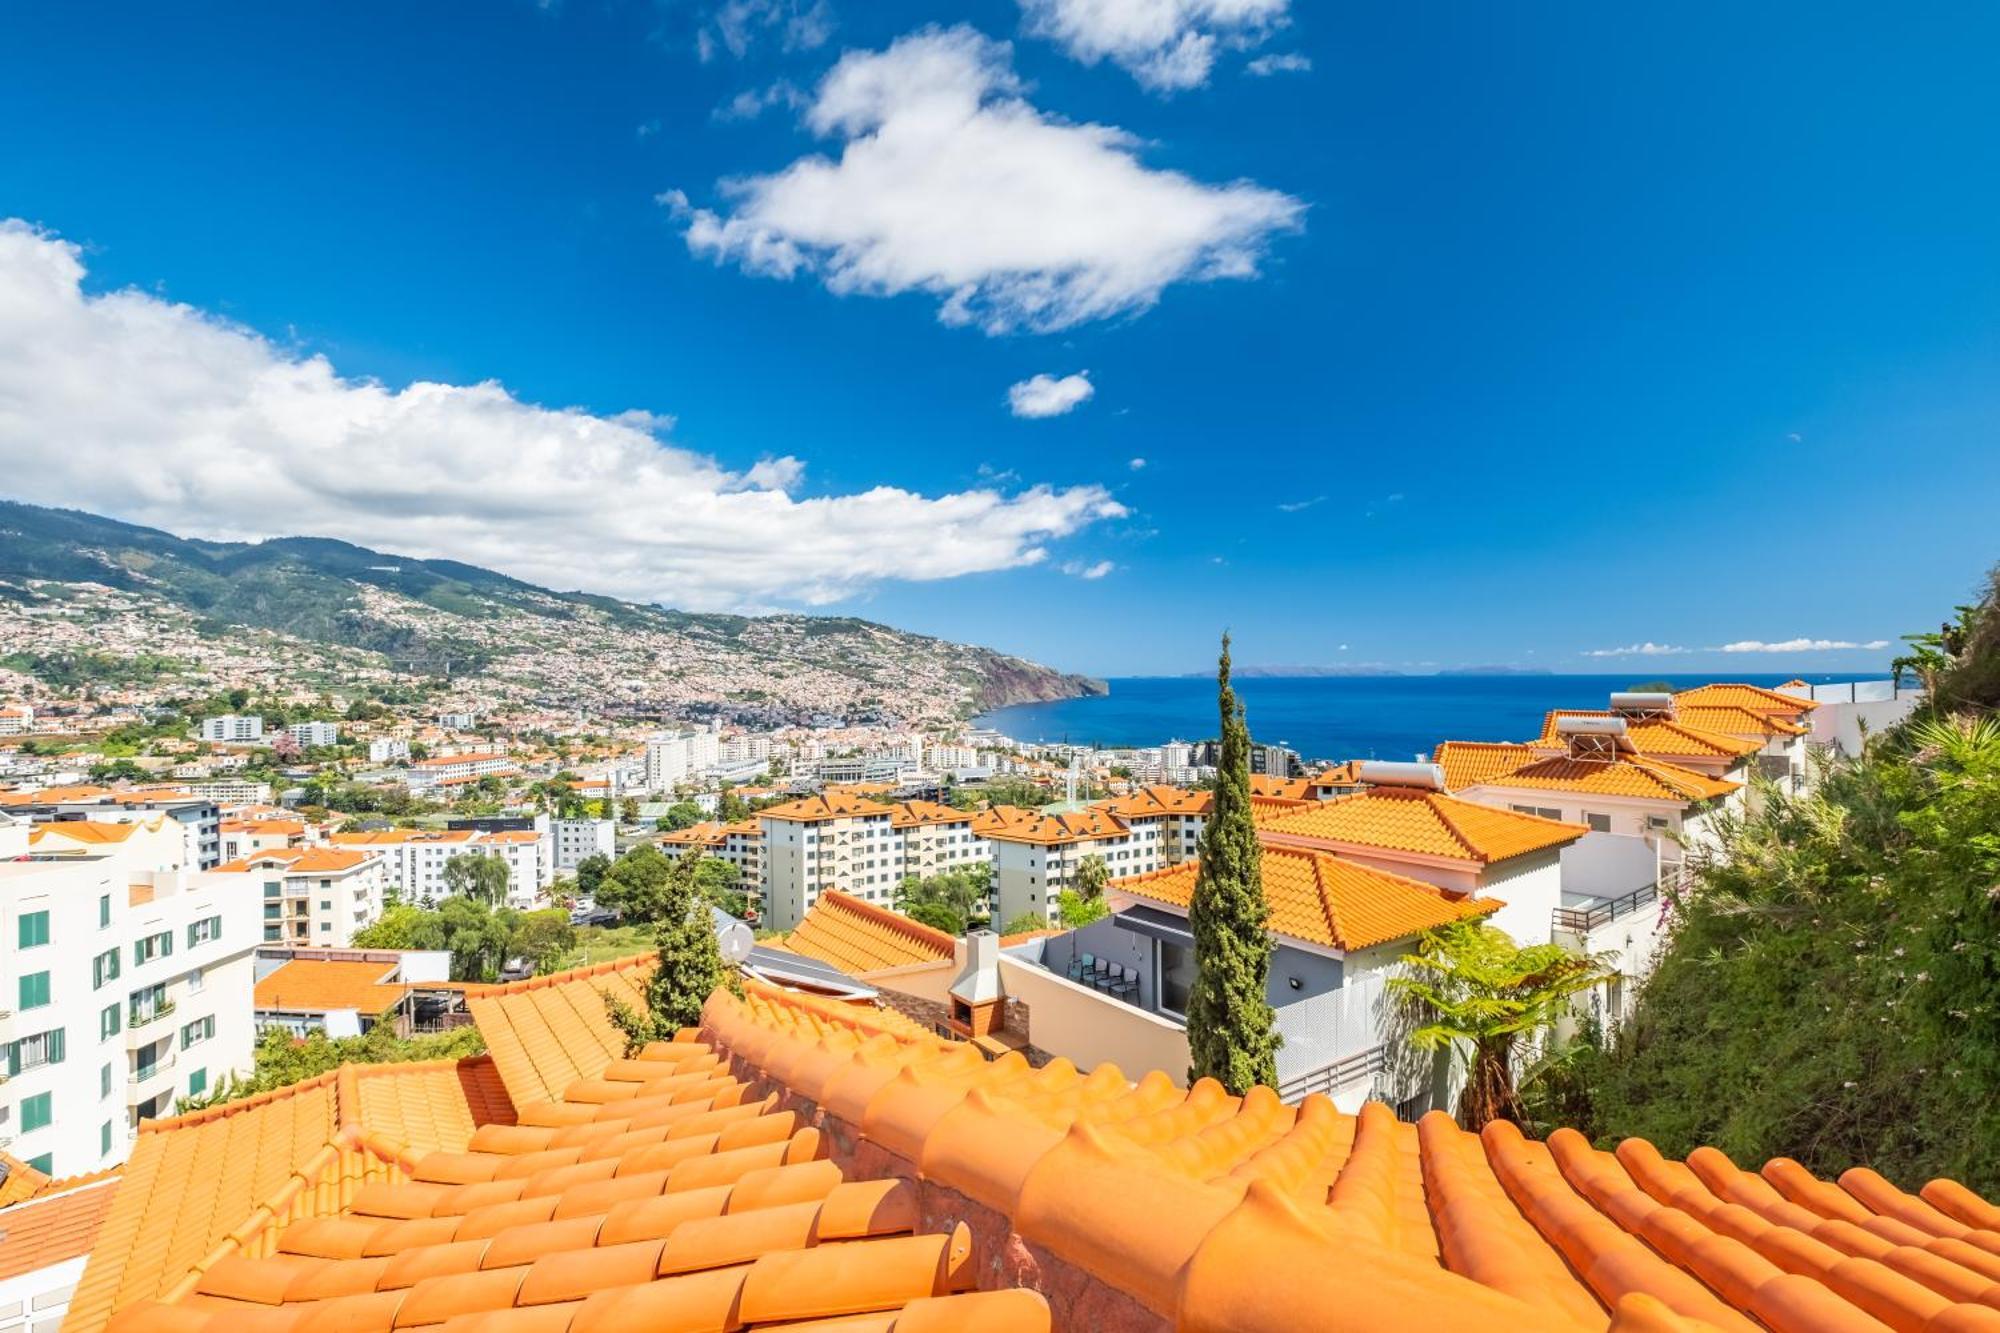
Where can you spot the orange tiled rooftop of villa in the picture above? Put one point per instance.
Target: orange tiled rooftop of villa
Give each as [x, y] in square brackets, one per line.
[802, 1163]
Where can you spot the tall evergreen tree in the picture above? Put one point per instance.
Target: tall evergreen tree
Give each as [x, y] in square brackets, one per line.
[1232, 1034]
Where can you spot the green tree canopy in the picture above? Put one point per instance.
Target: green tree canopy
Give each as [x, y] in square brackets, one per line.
[480, 875]
[1232, 1032]
[1478, 994]
[948, 901]
[590, 873]
[1091, 877]
[679, 815]
[635, 886]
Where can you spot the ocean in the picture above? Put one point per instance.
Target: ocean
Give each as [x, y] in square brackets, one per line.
[1336, 717]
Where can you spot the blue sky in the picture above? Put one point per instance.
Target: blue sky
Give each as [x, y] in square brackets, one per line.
[1500, 334]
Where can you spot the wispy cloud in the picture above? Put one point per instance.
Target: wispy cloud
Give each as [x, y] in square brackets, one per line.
[754, 102]
[1799, 645]
[1047, 396]
[1080, 569]
[1167, 45]
[1294, 506]
[736, 25]
[1137, 465]
[1290, 62]
[948, 181]
[1647, 649]
[216, 431]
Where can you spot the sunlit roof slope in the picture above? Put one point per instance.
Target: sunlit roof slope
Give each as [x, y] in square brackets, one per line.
[856, 936]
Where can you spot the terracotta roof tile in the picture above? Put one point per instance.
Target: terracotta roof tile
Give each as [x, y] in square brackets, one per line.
[833, 803]
[56, 1226]
[314, 985]
[858, 937]
[1327, 900]
[1426, 823]
[1734, 721]
[1753, 697]
[1665, 738]
[1469, 763]
[1626, 775]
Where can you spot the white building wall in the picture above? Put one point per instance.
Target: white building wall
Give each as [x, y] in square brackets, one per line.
[37, 1300]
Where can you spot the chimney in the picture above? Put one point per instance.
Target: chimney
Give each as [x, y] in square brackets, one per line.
[976, 994]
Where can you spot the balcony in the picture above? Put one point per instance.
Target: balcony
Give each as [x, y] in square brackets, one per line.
[139, 1021]
[1590, 915]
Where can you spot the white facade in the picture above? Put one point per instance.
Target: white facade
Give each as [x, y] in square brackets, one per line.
[230, 728]
[120, 991]
[384, 750]
[577, 839]
[311, 734]
[317, 896]
[16, 719]
[414, 861]
[674, 757]
[427, 773]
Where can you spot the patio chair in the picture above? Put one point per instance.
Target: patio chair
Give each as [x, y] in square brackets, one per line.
[1081, 964]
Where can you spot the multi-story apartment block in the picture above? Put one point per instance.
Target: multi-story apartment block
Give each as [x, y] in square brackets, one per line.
[228, 791]
[933, 838]
[674, 757]
[387, 750]
[197, 818]
[231, 729]
[576, 839]
[457, 721]
[123, 987]
[15, 719]
[311, 734]
[313, 896]
[740, 844]
[244, 837]
[833, 839]
[415, 860]
[451, 768]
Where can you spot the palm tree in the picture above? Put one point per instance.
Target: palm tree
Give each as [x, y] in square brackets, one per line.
[1474, 991]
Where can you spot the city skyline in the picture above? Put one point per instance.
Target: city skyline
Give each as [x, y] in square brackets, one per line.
[1327, 332]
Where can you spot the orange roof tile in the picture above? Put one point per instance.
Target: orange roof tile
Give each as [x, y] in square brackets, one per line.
[1328, 900]
[1730, 720]
[707, 833]
[709, 1183]
[1337, 775]
[1754, 697]
[914, 814]
[19, 1181]
[547, 1032]
[315, 985]
[1158, 799]
[54, 1226]
[833, 803]
[1469, 763]
[1625, 775]
[1062, 826]
[54, 795]
[84, 831]
[858, 937]
[1426, 823]
[1294, 789]
[1668, 738]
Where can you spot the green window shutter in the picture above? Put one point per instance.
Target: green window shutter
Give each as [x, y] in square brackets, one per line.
[34, 929]
[34, 990]
[37, 1111]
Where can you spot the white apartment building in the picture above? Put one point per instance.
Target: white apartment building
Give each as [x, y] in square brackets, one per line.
[245, 837]
[457, 721]
[741, 844]
[386, 750]
[232, 729]
[450, 768]
[945, 758]
[577, 839]
[414, 860]
[830, 840]
[123, 987]
[228, 792]
[311, 734]
[16, 719]
[933, 838]
[674, 757]
[313, 896]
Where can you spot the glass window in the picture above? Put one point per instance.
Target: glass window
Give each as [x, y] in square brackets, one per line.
[153, 946]
[43, 1048]
[104, 968]
[104, 1082]
[108, 1022]
[34, 929]
[37, 1111]
[34, 990]
[104, 1139]
[104, 911]
[1598, 823]
[1177, 976]
[193, 1034]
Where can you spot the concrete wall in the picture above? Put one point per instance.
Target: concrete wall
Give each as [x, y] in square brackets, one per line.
[1843, 726]
[1607, 865]
[1532, 888]
[1089, 1029]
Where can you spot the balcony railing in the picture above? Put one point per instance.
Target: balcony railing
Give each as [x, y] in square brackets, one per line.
[1583, 920]
[1329, 1079]
[146, 1072]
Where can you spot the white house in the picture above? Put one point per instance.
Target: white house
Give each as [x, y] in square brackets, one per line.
[231, 729]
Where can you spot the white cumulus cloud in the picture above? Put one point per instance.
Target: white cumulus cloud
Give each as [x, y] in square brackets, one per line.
[159, 413]
[1086, 570]
[1291, 62]
[949, 182]
[1167, 45]
[1798, 645]
[1646, 649]
[1047, 396]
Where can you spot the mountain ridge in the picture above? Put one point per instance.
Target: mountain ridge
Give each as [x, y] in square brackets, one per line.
[424, 616]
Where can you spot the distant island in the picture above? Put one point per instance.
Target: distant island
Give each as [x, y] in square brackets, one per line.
[1495, 671]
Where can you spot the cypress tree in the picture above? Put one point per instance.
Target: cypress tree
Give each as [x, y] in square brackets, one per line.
[1231, 1028]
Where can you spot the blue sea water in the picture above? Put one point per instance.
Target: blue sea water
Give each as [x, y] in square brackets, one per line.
[1334, 717]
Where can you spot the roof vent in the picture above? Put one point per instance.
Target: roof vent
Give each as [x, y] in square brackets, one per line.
[1636, 703]
[1383, 773]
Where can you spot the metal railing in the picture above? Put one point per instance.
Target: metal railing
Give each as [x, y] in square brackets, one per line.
[1328, 1079]
[1583, 920]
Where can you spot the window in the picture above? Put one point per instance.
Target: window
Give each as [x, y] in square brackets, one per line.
[43, 1048]
[197, 1032]
[143, 1006]
[107, 1022]
[197, 1083]
[34, 990]
[104, 1139]
[195, 981]
[37, 1111]
[1598, 823]
[34, 929]
[104, 1082]
[104, 968]
[104, 911]
[1659, 822]
[204, 930]
[153, 946]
